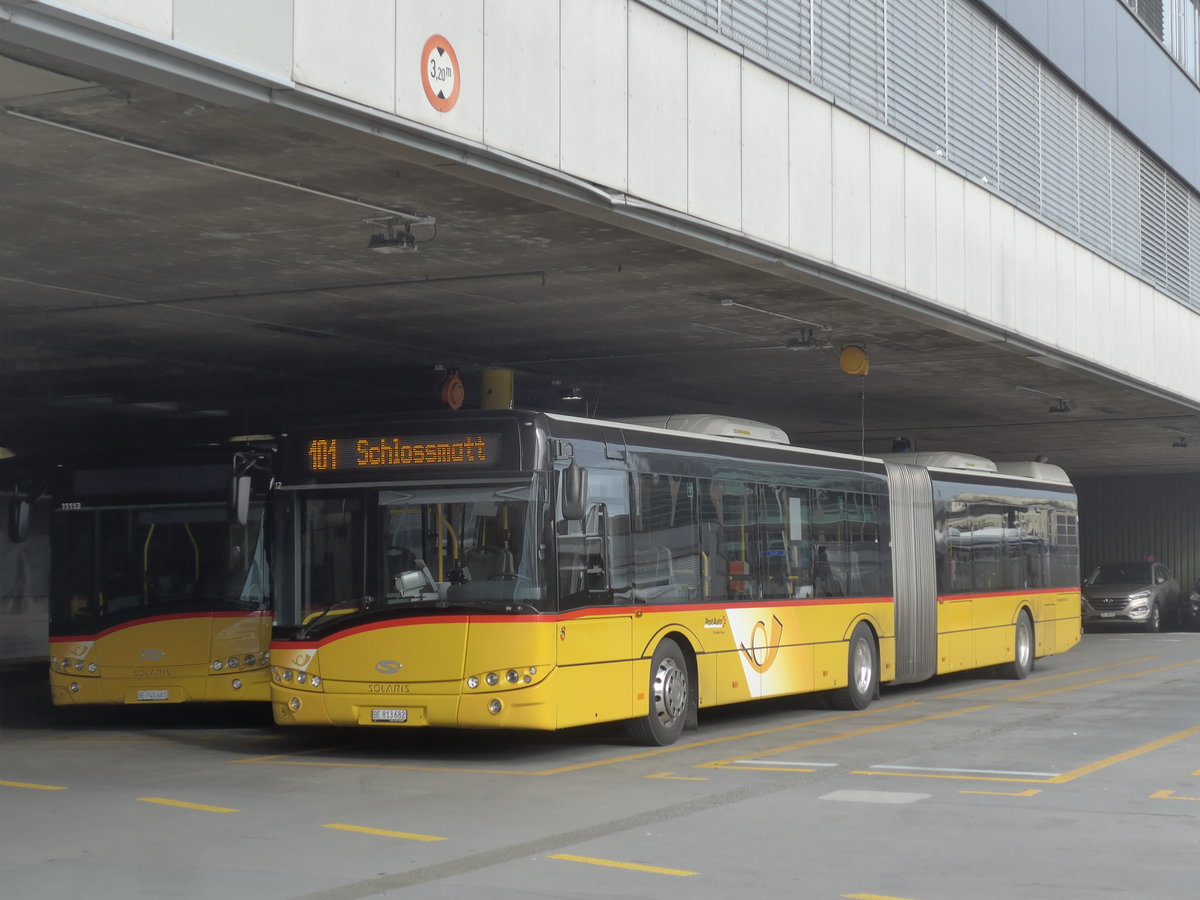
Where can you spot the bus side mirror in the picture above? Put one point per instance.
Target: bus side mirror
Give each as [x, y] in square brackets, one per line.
[239, 499]
[18, 517]
[574, 491]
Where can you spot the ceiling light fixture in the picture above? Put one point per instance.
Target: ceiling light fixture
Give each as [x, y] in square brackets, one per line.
[807, 339]
[393, 240]
[1179, 442]
[574, 395]
[396, 235]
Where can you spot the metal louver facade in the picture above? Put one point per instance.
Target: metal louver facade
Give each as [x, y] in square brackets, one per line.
[954, 81]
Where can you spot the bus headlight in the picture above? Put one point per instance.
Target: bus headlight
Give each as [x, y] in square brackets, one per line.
[473, 682]
[217, 665]
[494, 707]
[492, 678]
[237, 684]
[294, 704]
[511, 676]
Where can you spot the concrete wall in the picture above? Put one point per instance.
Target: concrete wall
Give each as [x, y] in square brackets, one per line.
[611, 93]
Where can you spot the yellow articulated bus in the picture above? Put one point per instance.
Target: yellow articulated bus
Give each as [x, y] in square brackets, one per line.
[160, 587]
[510, 569]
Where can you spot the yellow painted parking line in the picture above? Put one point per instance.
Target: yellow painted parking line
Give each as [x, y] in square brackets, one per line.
[670, 776]
[1075, 687]
[740, 763]
[290, 760]
[1029, 793]
[383, 832]
[163, 801]
[1170, 795]
[32, 787]
[1121, 757]
[1053, 779]
[614, 864]
[1038, 679]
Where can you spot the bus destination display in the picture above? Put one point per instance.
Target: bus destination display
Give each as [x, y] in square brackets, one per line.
[456, 451]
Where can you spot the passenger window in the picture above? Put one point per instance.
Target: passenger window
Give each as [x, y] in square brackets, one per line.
[667, 566]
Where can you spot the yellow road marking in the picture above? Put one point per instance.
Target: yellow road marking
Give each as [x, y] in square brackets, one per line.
[669, 776]
[162, 801]
[1054, 779]
[1170, 795]
[1121, 757]
[1039, 679]
[875, 729]
[381, 832]
[286, 760]
[1029, 793]
[1075, 687]
[613, 864]
[33, 787]
[871, 897]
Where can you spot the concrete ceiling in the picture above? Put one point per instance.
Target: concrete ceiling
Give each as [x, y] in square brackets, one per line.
[171, 264]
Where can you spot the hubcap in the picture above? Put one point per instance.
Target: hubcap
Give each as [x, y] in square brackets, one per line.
[864, 671]
[670, 691]
[1023, 646]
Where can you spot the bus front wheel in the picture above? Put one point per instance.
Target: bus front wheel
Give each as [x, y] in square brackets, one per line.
[862, 676]
[670, 698]
[1022, 663]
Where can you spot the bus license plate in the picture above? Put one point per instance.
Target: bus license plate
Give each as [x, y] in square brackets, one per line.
[389, 715]
[151, 695]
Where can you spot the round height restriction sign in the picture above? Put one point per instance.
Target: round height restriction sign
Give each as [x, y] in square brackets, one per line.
[439, 73]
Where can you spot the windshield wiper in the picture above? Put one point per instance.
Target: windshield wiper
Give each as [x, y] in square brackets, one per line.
[364, 603]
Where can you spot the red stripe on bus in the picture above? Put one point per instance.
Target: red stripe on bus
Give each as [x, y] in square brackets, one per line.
[591, 612]
[171, 617]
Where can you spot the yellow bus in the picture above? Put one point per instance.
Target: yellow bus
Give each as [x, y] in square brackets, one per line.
[160, 584]
[513, 569]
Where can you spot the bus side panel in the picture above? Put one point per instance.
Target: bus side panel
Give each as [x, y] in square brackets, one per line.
[1068, 620]
[955, 640]
[995, 621]
[595, 675]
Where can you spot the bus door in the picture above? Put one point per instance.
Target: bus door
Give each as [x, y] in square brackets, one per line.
[595, 627]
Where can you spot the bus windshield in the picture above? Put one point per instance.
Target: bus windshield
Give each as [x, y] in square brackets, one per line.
[393, 549]
[127, 562]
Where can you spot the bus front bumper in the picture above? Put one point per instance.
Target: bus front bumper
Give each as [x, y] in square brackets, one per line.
[530, 707]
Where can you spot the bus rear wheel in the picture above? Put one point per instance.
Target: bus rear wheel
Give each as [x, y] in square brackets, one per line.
[862, 676]
[1022, 663]
[670, 698]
